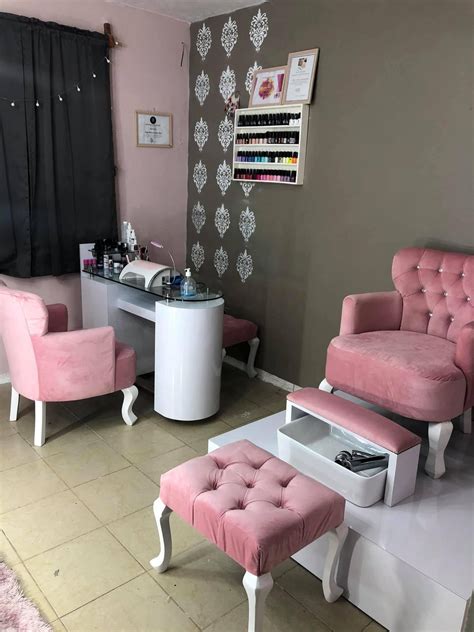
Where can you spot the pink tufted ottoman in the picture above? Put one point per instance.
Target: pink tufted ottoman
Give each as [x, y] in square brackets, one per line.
[257, 509]
[237, 330]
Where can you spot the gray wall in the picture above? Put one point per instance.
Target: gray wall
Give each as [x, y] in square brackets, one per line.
[389, 164]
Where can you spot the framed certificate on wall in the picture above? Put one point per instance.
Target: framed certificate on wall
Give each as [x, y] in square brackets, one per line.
[154, 129]
[300, 76]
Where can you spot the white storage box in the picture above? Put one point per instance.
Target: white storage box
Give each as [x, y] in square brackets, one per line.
[319, 425]
[311, 447]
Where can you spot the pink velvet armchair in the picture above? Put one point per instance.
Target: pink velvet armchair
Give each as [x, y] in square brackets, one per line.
[50, 364]
[411, 351]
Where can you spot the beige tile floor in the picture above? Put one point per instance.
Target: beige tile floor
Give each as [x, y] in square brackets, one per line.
[76, 523]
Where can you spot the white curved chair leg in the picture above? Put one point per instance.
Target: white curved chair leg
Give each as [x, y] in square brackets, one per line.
[224, 353]
[438, 436]
[337, 538]
[325, 386]
[464, 422]
[40, 423]
[130, 394]
[14, 405]
[257, 589]
[162, 517]
[253, 344]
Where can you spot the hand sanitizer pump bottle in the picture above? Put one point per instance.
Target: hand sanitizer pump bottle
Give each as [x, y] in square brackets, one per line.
[188, 284]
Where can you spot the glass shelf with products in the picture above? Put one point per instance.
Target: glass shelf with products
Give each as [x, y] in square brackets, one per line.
[282, 176]
[254, 117]
[277, 158]
[280, 137]
[270, 144]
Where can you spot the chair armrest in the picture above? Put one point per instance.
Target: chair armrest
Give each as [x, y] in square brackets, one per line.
[464, 359]
[75, 364]
[374, 311]
[57, 317]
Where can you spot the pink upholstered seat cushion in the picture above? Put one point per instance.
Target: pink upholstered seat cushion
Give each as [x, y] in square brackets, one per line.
[359, 420]
[237, 330]
[410, 373]
[255, 507]
[125, 365]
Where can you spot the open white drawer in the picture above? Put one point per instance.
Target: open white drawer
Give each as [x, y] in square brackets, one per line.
[310, 445]
[319, 425]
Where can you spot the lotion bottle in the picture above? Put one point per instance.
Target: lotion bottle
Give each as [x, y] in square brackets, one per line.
[188, 284]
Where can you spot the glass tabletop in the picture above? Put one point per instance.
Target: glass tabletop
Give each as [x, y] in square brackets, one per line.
[171, 293]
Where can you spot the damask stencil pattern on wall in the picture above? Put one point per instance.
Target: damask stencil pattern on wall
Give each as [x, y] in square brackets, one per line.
[202, 87]
[204, 41]
[225, 133]
[231, 236]
[229, 36]
[201, 133]
[222, 220]
[227, 83]
[224, 176]
[198, 216]
[221, 261]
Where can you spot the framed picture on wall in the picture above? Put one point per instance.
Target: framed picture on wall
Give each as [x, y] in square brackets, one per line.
[300, 76]
[154, 129]
[267, 87]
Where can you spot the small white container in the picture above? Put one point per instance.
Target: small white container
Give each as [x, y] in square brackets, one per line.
[311, 445]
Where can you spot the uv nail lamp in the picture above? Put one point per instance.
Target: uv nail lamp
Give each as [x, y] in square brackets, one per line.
[155, 274]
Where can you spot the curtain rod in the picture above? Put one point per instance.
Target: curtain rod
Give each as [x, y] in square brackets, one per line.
[111, 41]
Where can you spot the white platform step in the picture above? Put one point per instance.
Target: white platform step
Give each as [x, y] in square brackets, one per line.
[410, 567]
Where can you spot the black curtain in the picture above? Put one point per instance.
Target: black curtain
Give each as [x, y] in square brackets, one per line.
[57, 184]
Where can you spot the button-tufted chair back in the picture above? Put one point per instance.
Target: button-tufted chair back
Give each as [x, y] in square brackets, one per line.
[437, 289]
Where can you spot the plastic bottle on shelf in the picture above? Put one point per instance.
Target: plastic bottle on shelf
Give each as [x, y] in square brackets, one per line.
[124, 231]
[188, 284]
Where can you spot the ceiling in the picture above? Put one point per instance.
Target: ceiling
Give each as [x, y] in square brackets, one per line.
[188, 10]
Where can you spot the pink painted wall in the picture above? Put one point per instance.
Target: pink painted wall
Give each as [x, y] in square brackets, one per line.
[146, 75]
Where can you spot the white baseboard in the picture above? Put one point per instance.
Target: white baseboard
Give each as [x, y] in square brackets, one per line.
[4, 378]
[263, 375]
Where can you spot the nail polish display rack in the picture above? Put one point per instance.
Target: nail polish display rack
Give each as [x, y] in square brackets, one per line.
[270, 144]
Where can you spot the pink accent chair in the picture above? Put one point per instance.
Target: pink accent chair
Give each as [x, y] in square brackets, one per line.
[50, 364]
[411, 351]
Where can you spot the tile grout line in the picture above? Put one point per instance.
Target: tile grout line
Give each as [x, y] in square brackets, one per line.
[56, 546]
[101, 526]
[146, 418]
[105, 524]
[144, 572]
[11, 544]
[43, 497]
[99, 596]
[300, 603]
[184, 611]
[22, 562]
[8, 469]
[298, 565]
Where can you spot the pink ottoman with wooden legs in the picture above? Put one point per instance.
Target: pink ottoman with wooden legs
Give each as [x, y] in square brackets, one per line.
[257, 509]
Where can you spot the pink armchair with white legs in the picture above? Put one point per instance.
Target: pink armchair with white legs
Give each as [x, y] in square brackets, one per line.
[411, 351]
[50, 364]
